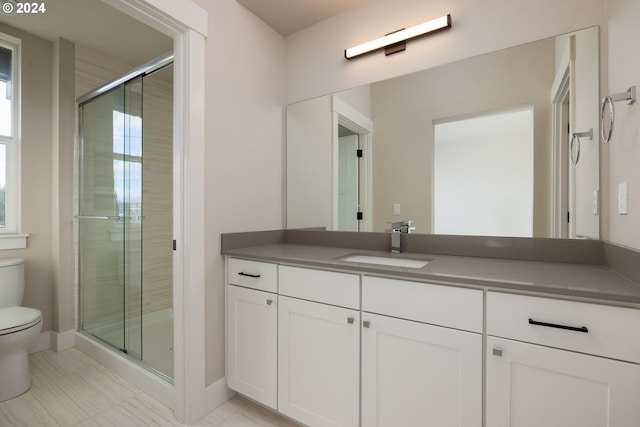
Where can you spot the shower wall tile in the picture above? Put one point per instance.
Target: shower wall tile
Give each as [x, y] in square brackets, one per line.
[157, 195]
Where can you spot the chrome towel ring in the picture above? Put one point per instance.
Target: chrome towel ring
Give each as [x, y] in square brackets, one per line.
[576, 137]
[629, 96]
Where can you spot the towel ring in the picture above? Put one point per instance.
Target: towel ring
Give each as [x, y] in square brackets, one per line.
[629, 96]
[576, 137]
[612, 114]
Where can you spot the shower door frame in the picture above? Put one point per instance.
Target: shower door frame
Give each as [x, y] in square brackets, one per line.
[187, 24]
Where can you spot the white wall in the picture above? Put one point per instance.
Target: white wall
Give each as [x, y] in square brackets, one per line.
[315, 56]
[624, 147]
[244, 152]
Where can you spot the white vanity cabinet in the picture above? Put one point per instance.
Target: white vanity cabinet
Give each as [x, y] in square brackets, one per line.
[416, 368]
[560, 363]
[252, 328]
[334, 349]
[319, 347]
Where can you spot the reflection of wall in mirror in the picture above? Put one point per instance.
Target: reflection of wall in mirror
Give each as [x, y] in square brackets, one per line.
[404, 115]
[309, 164]
[310, 157]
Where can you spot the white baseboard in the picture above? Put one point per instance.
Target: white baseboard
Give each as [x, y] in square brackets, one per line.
[42, 342]
[218, 393]
[56, 341]
[63, 340]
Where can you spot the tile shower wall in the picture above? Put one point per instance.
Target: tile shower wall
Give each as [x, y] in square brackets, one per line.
[157, 192]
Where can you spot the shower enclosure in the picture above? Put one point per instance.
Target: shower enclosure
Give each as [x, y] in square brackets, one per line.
[125, 216]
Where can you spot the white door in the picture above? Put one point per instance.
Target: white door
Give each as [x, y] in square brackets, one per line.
[532, 386]
[252, 344]
[414, 374]
[319, 366]
[348, 183]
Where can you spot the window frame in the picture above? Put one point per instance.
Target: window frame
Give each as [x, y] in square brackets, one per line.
[10, 234]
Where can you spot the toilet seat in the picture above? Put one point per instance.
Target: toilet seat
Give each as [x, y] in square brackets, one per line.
[16, 319]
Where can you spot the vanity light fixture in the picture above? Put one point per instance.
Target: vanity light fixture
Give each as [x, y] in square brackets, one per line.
[395, 42]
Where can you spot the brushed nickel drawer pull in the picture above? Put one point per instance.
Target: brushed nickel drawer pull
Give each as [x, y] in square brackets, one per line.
[350, 320]
[557, 326]
[255, 276]
[366, 324]
[269, 301]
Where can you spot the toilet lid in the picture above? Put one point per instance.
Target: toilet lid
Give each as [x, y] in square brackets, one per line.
[14, 319]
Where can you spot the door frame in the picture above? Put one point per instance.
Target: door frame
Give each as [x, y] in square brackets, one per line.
[187, 24]
[563, 112]
[347, 116]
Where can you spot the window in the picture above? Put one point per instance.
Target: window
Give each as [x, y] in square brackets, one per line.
[9, 140]
[127, 165]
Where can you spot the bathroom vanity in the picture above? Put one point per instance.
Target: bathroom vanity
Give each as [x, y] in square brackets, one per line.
[460, 341]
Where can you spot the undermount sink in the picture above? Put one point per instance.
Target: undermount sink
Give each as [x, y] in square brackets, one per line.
[383, 260]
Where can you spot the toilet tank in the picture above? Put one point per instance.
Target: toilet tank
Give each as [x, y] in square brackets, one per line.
[11, 282]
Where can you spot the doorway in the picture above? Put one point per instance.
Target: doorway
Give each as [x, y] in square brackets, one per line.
[352, 148]
[483, 174]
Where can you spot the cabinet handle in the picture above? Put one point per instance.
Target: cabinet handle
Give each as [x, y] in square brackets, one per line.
[242, 273]
[497, 351]
[555, 325]
[366, 324]
[269, 301]
[350, 320]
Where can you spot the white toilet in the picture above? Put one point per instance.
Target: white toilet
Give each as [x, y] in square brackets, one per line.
[19, 326]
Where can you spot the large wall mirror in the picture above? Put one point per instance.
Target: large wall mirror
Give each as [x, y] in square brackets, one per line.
[495, 145]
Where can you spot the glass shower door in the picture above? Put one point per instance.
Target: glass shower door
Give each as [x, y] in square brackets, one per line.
[110, 219]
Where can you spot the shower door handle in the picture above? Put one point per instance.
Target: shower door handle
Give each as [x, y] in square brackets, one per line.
[110, 218]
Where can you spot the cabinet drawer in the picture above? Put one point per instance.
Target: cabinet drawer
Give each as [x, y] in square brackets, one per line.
[588, 328]
[321, 286]
[253, 274]
[423, 302]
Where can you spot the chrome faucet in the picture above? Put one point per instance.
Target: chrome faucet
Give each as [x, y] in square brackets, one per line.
[398, 228]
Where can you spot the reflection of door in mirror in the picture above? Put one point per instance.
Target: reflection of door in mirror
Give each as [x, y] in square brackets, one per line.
[314, 167]
[352, 187]
[577, 196]
[483, 174]
[347, 181]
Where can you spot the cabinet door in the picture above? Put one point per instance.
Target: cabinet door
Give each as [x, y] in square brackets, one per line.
[252, 344]
[414, 374]
[319, 366]
[531, 386]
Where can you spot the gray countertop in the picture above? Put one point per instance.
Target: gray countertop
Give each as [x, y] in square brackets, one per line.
[596, 283]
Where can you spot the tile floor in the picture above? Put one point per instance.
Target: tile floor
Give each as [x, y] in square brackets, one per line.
[70, 389]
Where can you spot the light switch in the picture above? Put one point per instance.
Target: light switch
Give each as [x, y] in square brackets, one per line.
[622, 198]
[396, 209]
